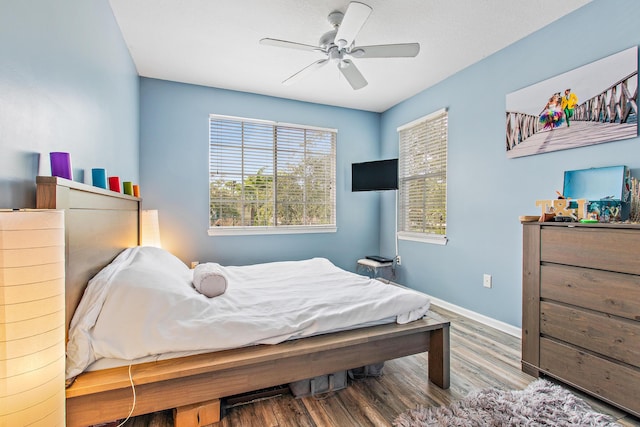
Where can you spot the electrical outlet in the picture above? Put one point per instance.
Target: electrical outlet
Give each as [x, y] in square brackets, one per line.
[398, 260]
[486, 281]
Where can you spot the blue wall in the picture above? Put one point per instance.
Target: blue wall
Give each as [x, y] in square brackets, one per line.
[67, 83]
[174, 142]
[486, 191]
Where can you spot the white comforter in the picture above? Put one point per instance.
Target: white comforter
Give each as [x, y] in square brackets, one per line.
[144, 304]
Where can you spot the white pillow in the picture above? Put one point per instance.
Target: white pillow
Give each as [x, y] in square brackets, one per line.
[209, 280]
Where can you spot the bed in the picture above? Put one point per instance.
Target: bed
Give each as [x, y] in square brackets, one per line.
[100, 225]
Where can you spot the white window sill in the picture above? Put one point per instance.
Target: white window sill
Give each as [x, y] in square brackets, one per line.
[435, 239]
[248, 231]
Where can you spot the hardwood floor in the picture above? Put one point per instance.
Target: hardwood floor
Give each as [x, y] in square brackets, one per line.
[480, 357]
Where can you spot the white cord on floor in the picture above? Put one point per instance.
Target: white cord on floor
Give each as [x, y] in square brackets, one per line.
[133, 389]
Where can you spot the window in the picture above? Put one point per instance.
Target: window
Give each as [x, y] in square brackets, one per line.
[422, 173]
[267, 177]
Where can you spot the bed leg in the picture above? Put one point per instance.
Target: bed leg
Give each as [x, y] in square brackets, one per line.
[198, 414]
[439, 357]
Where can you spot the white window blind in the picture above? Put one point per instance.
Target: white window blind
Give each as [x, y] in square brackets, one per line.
[422, 172]
[270, 176]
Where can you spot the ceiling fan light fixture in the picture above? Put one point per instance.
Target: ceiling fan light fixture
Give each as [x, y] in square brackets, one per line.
[354, 18]
[334, 54]
[340, 42]
[357, 53]
[327, 39]
[335, 18]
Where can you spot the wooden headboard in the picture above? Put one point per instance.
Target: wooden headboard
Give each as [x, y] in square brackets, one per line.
[99, 224]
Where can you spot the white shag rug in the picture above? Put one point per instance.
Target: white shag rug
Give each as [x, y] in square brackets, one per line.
[542, 403]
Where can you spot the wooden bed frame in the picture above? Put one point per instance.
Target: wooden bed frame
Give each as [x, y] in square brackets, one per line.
[99, 224]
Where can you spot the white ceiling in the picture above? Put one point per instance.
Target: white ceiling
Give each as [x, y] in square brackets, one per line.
[216, 43]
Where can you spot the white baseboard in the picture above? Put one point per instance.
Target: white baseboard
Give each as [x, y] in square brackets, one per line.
[485, 320]
[496, 324]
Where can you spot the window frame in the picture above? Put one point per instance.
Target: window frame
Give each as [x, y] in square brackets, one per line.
[425, 237]
[235, 230]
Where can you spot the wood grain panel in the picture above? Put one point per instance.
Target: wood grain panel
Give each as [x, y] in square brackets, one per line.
[155, 396]
[614, 383]
[113, 230]
[87, 200]
[615, 250]
[530, 297]
[99, 224]
[610, 336]
[99, 381]
[51, 196]
[439, 355]
[46, 182]
[197, 415]
[589, 299]
[605, 291]
[481, 357]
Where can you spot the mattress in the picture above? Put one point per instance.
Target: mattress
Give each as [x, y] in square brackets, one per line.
[143, 306]
[106, 363]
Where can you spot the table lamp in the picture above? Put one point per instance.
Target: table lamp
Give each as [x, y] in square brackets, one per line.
[150, 230]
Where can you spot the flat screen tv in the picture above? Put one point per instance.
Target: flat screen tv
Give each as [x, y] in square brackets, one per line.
[374, 176]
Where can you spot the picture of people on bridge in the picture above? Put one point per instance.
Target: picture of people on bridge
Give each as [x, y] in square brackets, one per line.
[568, 104]
[548, 116]
[552, 115]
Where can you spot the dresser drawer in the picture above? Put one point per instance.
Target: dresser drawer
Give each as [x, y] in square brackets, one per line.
[612, 293]
[618, 384]
[616, 338]
[613, 250]
[581, 308]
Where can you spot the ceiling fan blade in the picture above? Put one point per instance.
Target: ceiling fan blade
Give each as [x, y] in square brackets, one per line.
[352, 74]
[402, 50]
[354, 18]
[306, 70]
[289, 45]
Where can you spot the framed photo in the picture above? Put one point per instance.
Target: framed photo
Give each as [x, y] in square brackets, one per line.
[590, 105]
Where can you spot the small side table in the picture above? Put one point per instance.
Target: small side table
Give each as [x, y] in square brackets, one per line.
[375, 269]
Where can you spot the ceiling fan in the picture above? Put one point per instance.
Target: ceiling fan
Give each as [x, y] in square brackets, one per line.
[339, 45]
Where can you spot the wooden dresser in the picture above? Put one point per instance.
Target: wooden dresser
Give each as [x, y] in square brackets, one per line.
[581, 308]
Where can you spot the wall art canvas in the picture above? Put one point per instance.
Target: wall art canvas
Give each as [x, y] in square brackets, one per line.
[592, 104]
